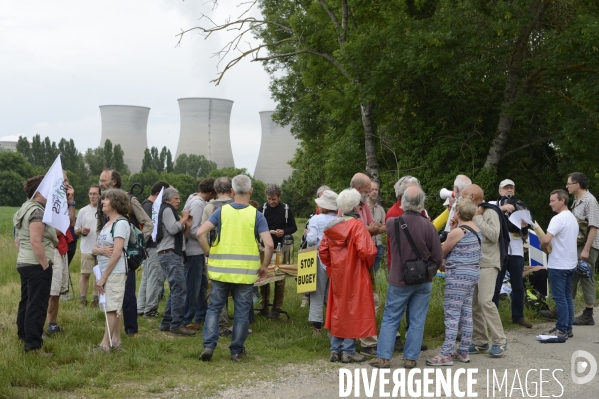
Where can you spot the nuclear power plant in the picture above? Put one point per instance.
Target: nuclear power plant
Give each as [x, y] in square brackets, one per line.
[126, 125]
[205, 129]
[276, 150]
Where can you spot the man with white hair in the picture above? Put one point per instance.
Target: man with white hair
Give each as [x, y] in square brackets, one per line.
[234, 264]
[459, 184]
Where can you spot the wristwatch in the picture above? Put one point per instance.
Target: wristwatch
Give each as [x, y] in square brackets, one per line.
[72, 203]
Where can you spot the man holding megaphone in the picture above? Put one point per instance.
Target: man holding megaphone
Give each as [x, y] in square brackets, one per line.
[460, 183]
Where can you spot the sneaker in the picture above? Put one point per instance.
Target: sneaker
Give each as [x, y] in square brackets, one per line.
[398, 347]
[274, 314]
[559, 334]
[497, 350]
[305, 301]
[352, 357]
[369, 351]
[380, 363]
[224, 332]
[474, 349]
[54, 331]
[152, 313]
[523, 323]
[409, 364]
[83, 302]
[95, 303]
[193, 326]
[549, 314]
[585, 319]
[65, 297]
[316, 332]
[461, 357]
[440, 360]
[132, 335]
[423, 347]
[183, 331]
[237, 357]
[335, 357]
[206, 354]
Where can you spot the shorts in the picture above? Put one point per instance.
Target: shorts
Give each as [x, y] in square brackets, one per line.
[115, 291]
[60, 274]
[88, 261]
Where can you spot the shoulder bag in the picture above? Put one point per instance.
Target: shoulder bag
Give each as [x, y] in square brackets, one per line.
[416, 271]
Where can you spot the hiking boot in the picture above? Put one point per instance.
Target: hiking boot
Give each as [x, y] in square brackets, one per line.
[409, 364]
[474, 349]
[523, 323]
[398, 347]
[335, 357]
[274, 314]
[497, 350]
[83, 302]
[224, 332]
[183, 331]
[263, 312]
[549, 314]
[570, 334]
[237, 357]
[380, 363]
[193, 326]
[206, 354]
[585, 319]
[423, 347]
[440, 360]
[559, 334]
[164, 328]
[152, 313]
[352, 357]
[371, 350]
[461, 357]
[95, 303]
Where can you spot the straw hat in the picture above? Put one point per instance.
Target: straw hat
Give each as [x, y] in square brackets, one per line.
[327, 200]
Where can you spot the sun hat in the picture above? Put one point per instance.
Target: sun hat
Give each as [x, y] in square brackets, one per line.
[327, 200]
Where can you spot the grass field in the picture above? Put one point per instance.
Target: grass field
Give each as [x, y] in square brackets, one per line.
[157, 364]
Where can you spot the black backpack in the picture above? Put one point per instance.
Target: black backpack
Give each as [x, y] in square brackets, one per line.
[504, 234]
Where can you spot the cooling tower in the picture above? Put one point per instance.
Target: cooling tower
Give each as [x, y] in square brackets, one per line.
[126, 125]
[276, 150]
[205, 129]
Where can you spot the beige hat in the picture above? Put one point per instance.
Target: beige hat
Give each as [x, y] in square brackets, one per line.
[506, 182]
[327, 200]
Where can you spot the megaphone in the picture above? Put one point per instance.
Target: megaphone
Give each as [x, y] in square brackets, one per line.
[445, 194]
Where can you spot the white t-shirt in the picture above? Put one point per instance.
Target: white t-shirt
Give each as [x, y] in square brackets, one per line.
[105, 239]
[87, 218]
[564, 228]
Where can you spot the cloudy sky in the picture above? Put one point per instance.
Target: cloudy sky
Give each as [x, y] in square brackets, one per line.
[60, 60]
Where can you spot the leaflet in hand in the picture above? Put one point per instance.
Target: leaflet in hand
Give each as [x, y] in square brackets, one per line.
[98, 274]
[517, 217]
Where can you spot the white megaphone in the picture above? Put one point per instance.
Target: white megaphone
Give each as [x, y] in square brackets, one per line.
[445, 194]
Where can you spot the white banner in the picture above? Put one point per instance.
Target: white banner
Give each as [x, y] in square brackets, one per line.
[53, 189]
[155, 209]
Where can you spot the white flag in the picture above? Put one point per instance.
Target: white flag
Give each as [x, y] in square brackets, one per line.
[155, 210]
[53, 189]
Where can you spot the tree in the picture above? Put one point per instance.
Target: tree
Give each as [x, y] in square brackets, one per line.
[11, 188]
[194, 165]
[118, 162]
[160, 162]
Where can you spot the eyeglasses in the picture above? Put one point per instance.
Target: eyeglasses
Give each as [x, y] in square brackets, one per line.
[104, 181]
[569, 184]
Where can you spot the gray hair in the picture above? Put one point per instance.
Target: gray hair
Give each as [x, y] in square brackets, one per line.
[400, 186]
[222, 185]
[242, 184]
[348, 199]
[169, 193]
[322, 189]
[413, 200]
[273, 189]
[461, 182]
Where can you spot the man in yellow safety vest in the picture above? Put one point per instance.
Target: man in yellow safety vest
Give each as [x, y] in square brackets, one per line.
[234, 264]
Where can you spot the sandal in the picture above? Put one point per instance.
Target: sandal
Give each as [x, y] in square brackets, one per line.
[118, 348]
[100, 349]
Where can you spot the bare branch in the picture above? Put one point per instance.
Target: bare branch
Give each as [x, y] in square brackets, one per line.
[326, 56]
[331, 14]
[344, 15]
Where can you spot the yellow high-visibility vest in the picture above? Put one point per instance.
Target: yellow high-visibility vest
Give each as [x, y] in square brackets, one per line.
[235, 257]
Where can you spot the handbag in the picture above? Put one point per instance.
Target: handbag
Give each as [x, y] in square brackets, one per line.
[416, 271]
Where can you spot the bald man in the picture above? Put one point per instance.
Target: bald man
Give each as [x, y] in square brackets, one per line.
[484, 312]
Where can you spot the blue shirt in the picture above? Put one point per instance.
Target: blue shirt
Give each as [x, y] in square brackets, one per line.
[261, 224]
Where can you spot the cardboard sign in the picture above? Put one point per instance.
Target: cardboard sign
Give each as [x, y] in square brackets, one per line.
[306, 270]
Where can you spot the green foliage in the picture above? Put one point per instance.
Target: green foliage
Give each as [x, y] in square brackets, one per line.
[11, 187]
[230, 172]
[194, 165]
[160, 162]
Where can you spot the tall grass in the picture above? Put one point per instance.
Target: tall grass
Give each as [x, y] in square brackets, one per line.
[156, 363]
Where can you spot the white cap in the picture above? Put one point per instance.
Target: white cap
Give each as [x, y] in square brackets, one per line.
[506, 182]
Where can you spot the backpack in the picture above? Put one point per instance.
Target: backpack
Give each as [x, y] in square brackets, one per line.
[135, 253]
[504, 234]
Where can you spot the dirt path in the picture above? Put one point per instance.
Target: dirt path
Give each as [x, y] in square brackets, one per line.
[321, 381]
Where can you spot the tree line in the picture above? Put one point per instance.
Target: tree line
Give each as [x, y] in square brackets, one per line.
[83, 169]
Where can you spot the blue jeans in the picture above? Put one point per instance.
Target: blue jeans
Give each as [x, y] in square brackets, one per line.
[417, 298]
[197, 284]
[560, 282]
[347, 345]
[172, 266]
[515, 266]
[377, 260]
[243, 301]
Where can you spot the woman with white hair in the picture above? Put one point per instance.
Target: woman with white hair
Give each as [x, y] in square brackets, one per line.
[327, 206]
[347, 251]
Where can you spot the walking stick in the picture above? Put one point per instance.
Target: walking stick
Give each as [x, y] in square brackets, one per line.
[107, 326]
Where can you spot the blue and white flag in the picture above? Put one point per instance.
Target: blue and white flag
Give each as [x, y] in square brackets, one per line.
[536, 256]
[155, 210]
[53, 189]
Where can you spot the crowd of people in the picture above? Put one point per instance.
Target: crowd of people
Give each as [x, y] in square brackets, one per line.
[221, 244]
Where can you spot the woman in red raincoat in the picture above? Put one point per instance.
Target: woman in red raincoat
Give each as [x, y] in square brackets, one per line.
[347, 251]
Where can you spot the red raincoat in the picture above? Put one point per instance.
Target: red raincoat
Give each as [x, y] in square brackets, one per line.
[347, 251]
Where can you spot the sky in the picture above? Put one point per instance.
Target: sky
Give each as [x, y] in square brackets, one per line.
[60, 60]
